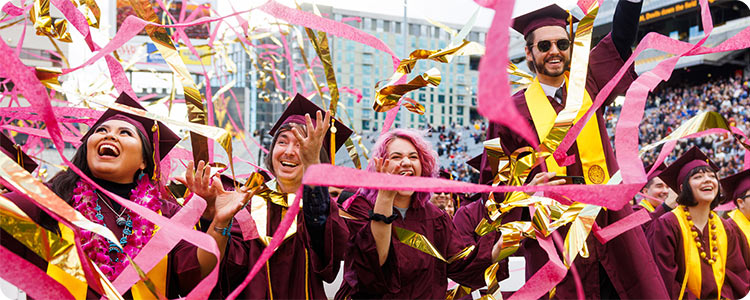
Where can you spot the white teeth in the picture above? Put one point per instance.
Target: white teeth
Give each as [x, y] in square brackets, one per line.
[288, 164]
[406, 173]
[108, 149]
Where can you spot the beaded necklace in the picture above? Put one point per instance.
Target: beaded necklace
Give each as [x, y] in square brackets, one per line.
[110, 258]
[711, 257]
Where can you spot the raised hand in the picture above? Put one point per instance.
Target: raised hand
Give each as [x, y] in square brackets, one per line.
[542, 178]
[228, 203]
[381, 166]
[311, 140]
[198, 180]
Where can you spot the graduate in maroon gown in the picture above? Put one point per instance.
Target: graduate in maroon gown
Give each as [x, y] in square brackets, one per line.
[117, 153]
[656, 196]
[737, 188]
[313, 247]
[617, 269]
[378, 265]
[699, 254]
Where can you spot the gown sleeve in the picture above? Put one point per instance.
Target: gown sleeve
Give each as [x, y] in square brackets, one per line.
[664, 238]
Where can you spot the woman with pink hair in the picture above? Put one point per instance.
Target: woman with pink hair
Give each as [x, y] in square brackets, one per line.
[378, 265]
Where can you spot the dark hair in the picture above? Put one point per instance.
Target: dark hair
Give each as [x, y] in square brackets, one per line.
[64, 182]
[268, 161]
[686, 193]
[529, 44]
[741, 196]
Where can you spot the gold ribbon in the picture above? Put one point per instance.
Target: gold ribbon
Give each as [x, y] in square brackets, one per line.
[693, 261]
[647, 205]
[421, 243]
[193, 97]
[259, 209]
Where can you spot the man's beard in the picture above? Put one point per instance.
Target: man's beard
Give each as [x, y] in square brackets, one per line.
[541, 69]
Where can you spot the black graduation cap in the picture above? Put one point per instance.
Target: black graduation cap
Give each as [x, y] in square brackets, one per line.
[167, 138]
[13, 150]
[445, 174]
[295, 113]
[475, 162]
[551, 15]
[737, 185]
[675, 174]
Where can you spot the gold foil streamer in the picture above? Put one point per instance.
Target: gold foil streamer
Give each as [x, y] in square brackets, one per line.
[387, 97]
[421, 243]
[193, 97]
[458, 292]
[413, 106]
[46, 25]
[525, 78]
[701, 122]
[262, 195]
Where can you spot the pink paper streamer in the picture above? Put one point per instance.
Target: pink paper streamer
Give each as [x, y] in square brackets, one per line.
[247, 225]
[546, 277]
[621, 226]
[13, 10]
[29, 278]
[328, 175]
[494, 98]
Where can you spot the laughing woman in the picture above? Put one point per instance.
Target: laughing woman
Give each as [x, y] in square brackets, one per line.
[377, 264]
[698, 254]
[117, 153]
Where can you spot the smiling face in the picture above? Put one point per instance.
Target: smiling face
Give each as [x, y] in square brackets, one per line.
[553, 62]
[743, 204]
[115, 152]
[704, 186]
[287, 166]
[403, 160]
[657, 189]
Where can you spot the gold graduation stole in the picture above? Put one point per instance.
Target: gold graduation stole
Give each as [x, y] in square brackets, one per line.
[647, 205]
[259, 210]
[742, 223]
[693, 262]
[590, 148]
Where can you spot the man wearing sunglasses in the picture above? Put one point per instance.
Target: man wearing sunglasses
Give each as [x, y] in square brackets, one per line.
[623, 267]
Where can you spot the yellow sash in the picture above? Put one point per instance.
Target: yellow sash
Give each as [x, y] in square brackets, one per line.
[590, 148]
[693, 261]
[647, 205]
[259, 210]
[742, 223]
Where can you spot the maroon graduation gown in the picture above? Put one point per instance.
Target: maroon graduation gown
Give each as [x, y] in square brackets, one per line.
[183, 268]
[409, 273]
[466, 220]
[294, 263]
[666, 245]
[659, 211]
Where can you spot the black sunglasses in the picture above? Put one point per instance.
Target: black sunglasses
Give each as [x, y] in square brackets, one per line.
[544, 46]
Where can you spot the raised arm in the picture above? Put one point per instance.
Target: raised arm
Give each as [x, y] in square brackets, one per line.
[625, 26]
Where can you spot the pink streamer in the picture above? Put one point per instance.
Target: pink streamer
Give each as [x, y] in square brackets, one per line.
[247, 225]
[29, 278]
[621, 226]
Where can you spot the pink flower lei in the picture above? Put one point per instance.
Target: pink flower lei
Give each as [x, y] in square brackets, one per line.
[110, 259]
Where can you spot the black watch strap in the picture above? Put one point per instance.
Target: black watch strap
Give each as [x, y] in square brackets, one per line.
[382, 218]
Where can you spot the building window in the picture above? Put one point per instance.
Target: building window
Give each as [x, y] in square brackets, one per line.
[397, 27]
[450, 110]
[460, 121]
[431, 108]
[366, 69]
[432, 98]
[387, 26]
[474, 62]
[432, 120]
[460, 111]
[368, 23]
[413, 29]
[365, 125]
[442, 109]
[461, 68]
[460, 99]
[441, 98]
[421, 97]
